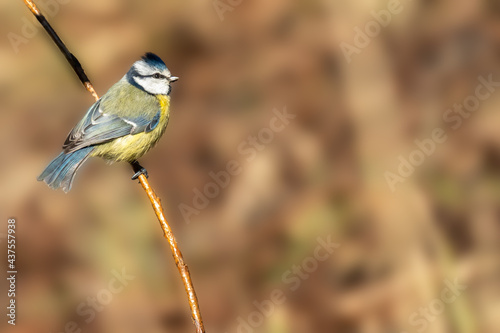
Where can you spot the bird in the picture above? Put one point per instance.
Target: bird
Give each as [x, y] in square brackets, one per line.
[123, 125]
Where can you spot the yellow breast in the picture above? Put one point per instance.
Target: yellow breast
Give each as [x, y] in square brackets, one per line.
[131, 147]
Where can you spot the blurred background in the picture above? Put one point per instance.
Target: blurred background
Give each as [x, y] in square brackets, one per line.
[323, 175]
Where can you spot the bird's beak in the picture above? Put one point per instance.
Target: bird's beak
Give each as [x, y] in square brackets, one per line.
[173, 78]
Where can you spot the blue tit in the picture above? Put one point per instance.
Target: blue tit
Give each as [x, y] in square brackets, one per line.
[122, 125]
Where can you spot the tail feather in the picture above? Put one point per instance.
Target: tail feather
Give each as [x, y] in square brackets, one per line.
[61, 171]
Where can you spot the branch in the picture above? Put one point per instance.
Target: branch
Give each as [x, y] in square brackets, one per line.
[155, 201]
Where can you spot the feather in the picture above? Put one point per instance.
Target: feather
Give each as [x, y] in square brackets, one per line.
[61, 171]
[107, 120]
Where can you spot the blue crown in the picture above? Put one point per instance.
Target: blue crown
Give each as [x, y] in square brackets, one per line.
[153, 60]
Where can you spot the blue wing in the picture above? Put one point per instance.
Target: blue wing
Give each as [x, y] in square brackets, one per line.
[98, 127]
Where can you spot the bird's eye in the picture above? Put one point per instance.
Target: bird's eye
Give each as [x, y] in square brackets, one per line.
[157, 75]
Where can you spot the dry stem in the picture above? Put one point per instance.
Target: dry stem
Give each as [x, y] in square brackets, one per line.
[155, 201]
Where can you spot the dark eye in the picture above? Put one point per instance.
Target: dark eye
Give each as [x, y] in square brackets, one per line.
[157, 75]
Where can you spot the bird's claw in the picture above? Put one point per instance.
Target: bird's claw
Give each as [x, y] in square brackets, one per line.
[142, 171]
[139, 170]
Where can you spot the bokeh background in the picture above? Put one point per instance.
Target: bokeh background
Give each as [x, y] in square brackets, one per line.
[322, 175]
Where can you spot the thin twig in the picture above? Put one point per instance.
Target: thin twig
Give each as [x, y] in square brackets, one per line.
[155, 201]
[183, 269]
[75, 64]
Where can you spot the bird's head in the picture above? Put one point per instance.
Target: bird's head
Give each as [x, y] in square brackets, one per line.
[151, 75]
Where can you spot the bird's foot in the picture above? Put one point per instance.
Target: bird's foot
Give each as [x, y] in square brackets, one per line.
[139, 170]
[143, 171]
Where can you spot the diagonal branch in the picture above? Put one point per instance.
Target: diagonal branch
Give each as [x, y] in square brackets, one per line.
[75, 64]
[155, 201]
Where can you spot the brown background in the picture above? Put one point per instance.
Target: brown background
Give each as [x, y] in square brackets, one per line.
[322, 175]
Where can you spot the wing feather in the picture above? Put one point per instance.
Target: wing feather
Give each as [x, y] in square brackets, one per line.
[98, 126]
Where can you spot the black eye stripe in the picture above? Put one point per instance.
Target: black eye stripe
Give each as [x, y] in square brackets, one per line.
[155, 75]
[158, 76]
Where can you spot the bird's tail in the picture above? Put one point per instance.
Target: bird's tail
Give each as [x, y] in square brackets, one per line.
[61, 171]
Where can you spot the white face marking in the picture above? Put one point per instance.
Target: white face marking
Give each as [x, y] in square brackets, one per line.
[153, 86]
[144, 69]
[144, 77]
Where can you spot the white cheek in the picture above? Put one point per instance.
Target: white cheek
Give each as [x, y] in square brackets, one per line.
[153, 86]
[158, 87]
[140, 82]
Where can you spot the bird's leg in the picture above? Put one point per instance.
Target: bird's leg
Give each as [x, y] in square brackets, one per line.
[139, 170]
